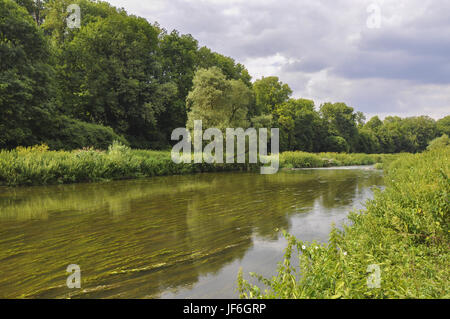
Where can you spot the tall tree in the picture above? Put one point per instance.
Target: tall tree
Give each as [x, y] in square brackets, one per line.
[112, 76]
[35, 8]
[179, 61]
[232, 70]
[25, 76]
[269, 92]
[218, 102]
[296, 118]
[341, 120]
[443, 125]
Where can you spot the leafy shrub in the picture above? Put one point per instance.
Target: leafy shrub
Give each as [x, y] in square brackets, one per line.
[68, 134]
[439, 142]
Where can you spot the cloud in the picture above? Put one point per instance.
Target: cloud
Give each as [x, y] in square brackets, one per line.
[324, 49]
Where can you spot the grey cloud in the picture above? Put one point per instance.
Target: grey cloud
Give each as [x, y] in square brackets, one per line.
[327, 49]
[395, 65]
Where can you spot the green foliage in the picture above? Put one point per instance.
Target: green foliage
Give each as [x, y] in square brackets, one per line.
[110, 66]
[308, 160]
[218, 102]
[368, 141]
[301, 160]
[39, 166]
[443, 125]
[439, 142]
[68, 134]
[336, 144]
[298, 122]
[342, 123]
[395, 134]
[207, 59]
[269, 92]
[404, 230]
[179, 61]
[25, 77]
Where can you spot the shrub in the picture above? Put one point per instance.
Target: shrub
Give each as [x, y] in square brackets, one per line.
[439, 142]
[68, 134]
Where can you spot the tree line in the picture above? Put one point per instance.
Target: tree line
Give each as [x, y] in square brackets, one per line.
[119, 77]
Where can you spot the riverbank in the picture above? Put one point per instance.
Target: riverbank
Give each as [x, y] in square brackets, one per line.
[40, 166]
[396, 248]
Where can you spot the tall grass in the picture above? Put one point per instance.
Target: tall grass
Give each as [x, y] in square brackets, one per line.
[308, 160]
[404, 231]
[39, 166]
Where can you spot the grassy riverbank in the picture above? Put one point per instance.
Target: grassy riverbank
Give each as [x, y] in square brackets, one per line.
[309, 160]
[39, 166]
[404, 231]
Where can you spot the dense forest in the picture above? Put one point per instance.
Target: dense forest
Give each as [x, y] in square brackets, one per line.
[119, 77]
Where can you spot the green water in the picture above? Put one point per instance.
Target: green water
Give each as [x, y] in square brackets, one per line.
[166, 237]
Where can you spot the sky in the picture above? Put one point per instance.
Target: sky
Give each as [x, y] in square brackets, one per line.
[382, 57]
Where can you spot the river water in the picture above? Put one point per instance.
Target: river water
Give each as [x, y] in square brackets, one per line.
[167, 237]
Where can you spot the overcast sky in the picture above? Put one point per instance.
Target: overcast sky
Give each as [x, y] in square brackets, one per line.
[328, 50]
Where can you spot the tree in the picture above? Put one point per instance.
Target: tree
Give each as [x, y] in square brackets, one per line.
[232, 71]
[373, 124]
[35, 8]
[240, 99]
[336, 144]
[419, 131]
[269, 92]
[368, 142]
[25, 77]
[218, 102]
[391, 136]
[111, 75]
[55, 23]
[341, 120]
[360, 119]
[296, 119]
[443, 125]
[179, 57]
[439, 143]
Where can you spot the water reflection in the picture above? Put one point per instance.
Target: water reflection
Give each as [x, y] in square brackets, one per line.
[176, 236]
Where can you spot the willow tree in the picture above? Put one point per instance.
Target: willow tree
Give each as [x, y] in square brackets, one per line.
[218, 102]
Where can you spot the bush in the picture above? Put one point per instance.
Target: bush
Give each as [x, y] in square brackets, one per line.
[439, 142]
[69, 134]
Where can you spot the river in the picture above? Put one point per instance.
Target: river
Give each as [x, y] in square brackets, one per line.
[167, 237]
